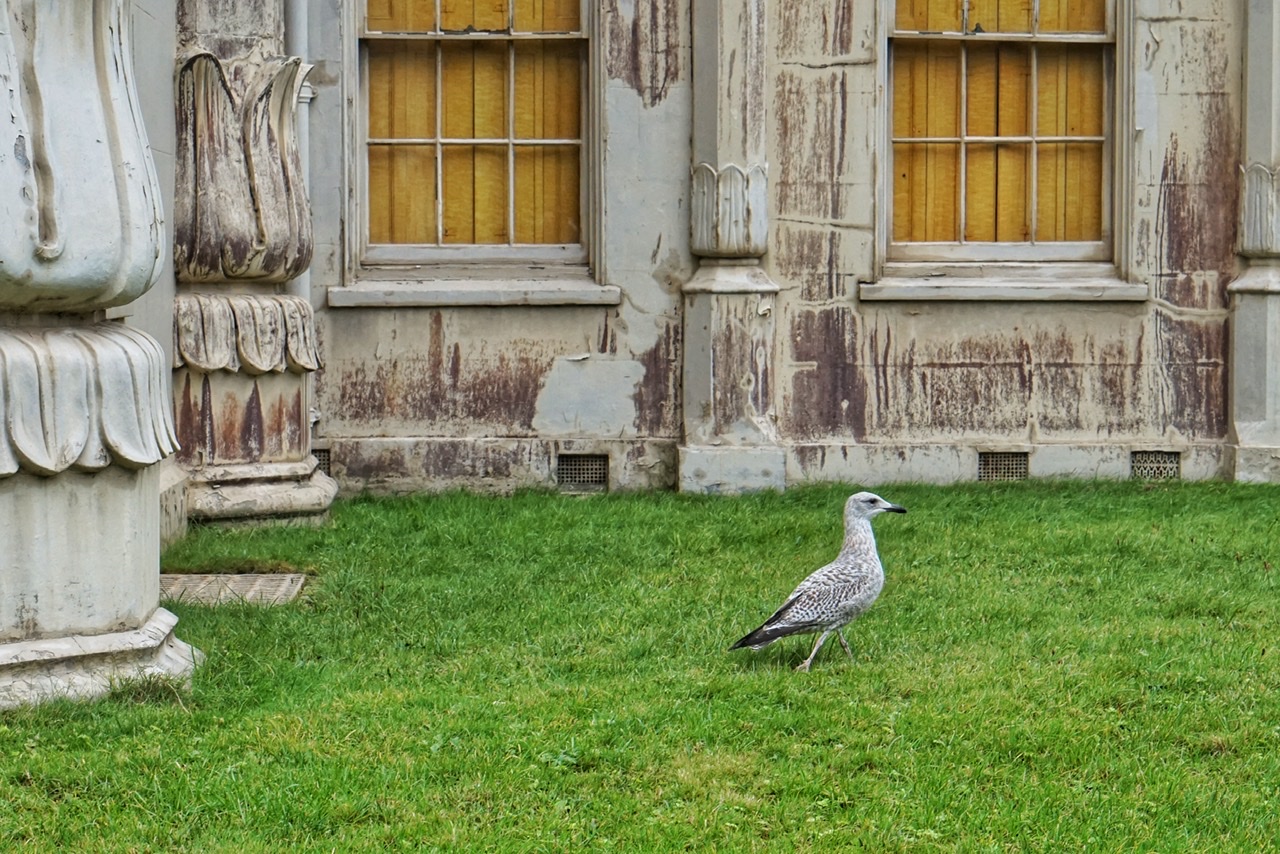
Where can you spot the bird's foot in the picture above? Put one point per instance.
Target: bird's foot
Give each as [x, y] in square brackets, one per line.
[802, 667]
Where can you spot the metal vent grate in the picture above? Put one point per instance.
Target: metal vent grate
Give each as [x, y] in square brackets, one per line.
[1155, 465]
[322, 460]
[1002, 465]
[582, 472]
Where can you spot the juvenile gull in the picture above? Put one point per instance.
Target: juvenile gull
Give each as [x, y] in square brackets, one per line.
[837, 593]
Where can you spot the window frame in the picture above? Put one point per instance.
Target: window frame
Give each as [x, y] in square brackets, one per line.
[1033, 261]
[491, 263]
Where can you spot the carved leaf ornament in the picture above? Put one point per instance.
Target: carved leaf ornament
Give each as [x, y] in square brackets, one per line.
[80, 223]
[241, 210]
[252, 333]
[82, 398]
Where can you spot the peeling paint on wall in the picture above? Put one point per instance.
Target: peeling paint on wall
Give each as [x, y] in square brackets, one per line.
[444, 383]
[229, 418]
[644, 51]
[657, 397]
[811, 112]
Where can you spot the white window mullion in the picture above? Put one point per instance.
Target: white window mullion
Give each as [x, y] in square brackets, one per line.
[962, 202]
[439, 164]
[511, 135]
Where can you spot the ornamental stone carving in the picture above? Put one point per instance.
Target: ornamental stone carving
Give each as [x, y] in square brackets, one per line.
[729, 211]
[241, 209]
[80, 223]
[250, 333]
[82, 398]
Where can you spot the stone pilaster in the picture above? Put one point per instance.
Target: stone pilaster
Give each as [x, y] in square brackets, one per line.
[85, 413]
[244, 350]
[730, 442]
[1255, 305]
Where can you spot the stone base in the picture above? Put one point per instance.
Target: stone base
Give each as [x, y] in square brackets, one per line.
[82, 667]
[1257, 465]
[729, 470]
[869, 465]
[266, 493]
[173, 502]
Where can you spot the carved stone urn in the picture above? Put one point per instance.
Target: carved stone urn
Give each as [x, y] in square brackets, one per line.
[85, 411]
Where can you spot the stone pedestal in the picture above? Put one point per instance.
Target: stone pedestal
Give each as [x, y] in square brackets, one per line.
[730, 437]
[1255, 303]
[244, 350]
[242, 365]
[85, 415]
[1255, 378]
[730, 442]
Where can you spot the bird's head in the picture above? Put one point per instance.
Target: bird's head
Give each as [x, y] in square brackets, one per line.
[864, 505]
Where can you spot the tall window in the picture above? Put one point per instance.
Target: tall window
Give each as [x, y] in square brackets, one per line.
[1000, 129]
[473, 131]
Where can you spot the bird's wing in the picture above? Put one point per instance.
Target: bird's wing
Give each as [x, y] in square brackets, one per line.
[818, 604]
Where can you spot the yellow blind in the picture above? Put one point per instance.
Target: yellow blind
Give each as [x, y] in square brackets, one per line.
[998, 141]
[506, 143]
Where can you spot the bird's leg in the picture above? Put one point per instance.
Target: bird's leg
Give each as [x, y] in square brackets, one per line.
[844, 643]
[803, 666]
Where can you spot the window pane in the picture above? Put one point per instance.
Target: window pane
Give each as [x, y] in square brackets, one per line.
[925, 191]
[1000, 16]
[548, 90]
[402, 100]
[1071, 90]
[997, 192]
[402, 199]
[475, 194]
[926, 90]
[1073, 16]
[474, 99]
[483, 15]
[548, 16]
[929, 15]
[999, 86]
[1069, 191]
[401, 15]
[546, 194]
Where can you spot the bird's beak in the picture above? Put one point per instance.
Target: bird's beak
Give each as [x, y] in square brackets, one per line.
[894, 508]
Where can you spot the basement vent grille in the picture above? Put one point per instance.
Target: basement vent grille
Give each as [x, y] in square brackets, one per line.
[1155, 465]
[1002, 465]
[322, 460]
[582, 472]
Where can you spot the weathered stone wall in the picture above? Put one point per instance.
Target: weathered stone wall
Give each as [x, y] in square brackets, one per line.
[877, 390]
[426, 396]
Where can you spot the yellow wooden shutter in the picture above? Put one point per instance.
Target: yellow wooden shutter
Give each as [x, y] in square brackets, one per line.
[961, 96]
[493, 175]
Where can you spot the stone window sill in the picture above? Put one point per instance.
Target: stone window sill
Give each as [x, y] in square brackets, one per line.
[1003, 283]
[476, 287]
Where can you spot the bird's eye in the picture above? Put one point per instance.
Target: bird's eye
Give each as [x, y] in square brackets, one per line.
[868, 501]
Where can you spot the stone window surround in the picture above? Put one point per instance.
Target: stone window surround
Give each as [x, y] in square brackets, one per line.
[537, 282]
[1021, 282]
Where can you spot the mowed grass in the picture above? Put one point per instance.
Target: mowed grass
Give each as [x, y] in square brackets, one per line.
[1051, 666]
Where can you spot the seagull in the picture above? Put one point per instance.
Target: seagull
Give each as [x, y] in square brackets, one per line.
[839, 592]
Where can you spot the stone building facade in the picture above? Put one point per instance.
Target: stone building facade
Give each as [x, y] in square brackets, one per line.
[727, 289]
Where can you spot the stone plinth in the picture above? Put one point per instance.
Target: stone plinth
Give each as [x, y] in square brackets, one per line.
[85, 405]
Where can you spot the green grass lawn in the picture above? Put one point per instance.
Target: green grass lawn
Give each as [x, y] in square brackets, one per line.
[1051, 666]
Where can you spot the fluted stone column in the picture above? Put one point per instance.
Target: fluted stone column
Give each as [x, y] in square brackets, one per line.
[244, 348]
[1255, 310]
[730, 442]
[85, 413]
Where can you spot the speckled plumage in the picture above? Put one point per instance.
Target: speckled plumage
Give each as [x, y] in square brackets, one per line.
[833, 596]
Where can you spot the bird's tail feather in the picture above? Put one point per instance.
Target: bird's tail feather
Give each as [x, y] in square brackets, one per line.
[766, 634]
